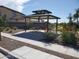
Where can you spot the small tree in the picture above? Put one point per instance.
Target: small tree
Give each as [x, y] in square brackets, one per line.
[69, 38]
[2, 24]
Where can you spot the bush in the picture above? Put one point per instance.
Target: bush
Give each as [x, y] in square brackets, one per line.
[30, 25]
[50, 37]
[69, 38]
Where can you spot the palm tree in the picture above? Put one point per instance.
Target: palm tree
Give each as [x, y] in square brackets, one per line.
[76, 16]
[2, 24]
[70, 21]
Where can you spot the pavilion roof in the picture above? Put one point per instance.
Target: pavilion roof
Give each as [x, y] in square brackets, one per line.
[42, 16]
[42, 12]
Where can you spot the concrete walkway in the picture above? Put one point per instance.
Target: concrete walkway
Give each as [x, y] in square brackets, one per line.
[2, 56]
[30, 53]
[5, 54]
[54, 49]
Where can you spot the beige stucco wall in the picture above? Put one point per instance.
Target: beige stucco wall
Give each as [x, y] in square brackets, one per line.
[10, 14]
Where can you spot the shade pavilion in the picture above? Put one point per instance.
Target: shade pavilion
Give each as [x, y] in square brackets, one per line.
[43, 15]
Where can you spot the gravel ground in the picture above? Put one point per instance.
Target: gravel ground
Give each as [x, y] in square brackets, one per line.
[10, 44]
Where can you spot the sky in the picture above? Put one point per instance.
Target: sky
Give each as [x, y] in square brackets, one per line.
[60, 8]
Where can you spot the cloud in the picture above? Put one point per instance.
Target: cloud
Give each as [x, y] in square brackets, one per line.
[14, 4]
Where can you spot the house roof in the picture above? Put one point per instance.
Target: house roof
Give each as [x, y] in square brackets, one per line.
[12, 10]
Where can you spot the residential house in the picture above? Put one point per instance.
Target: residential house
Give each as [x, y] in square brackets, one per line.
[13, 17]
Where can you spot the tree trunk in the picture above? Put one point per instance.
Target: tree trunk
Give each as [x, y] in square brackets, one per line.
[0, 36]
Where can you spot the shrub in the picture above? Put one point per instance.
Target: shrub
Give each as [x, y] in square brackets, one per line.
[30, 25]
[50, 37]
[69, 38]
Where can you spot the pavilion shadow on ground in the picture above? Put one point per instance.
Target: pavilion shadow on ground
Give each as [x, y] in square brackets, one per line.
[34, 35]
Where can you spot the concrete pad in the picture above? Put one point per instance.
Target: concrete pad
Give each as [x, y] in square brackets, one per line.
[30, 53]
[4, 58]
[13, 54]
[53, 57]
[22, 50]
[1, 55]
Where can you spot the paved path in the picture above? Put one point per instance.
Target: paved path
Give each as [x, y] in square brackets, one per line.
[5, 54]
[30, 53]
[53, 49]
